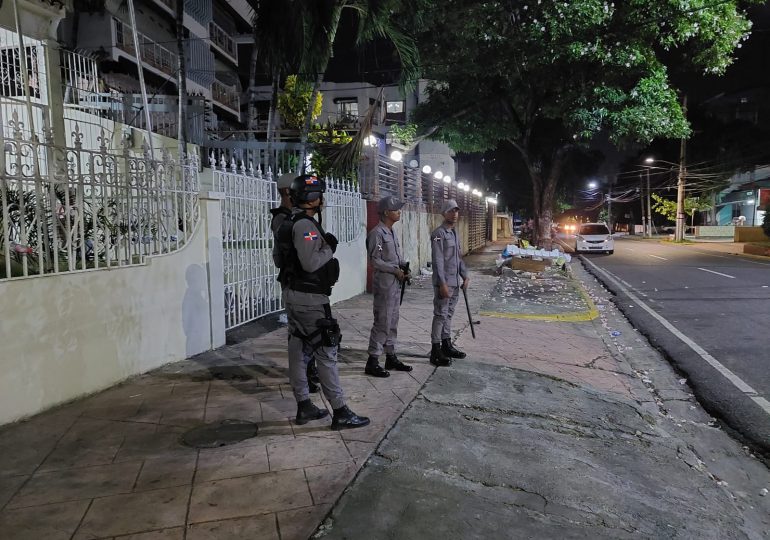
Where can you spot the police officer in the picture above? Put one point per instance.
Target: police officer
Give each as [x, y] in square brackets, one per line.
[449, 274]
[306, 253]
[279, 214]
[385, 253]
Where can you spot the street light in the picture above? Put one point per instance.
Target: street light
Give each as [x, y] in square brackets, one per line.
[647, 223]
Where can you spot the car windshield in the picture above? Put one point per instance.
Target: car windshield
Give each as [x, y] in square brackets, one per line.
[594, 229]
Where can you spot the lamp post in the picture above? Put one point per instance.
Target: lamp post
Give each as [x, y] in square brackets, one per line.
[648, 231]
[680, 222]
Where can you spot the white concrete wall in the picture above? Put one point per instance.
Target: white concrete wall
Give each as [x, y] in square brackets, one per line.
[414, 230]
[68, 335]
[352, 257]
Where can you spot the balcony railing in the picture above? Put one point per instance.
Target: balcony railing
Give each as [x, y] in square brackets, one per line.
[221, 39]
[153, 54]
[227, 96]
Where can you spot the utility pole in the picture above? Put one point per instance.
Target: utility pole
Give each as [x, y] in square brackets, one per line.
[641, 200]
[609, 207]
[649, 206]
[680, 221]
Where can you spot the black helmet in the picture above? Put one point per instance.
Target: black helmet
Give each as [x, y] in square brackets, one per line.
[307, 188]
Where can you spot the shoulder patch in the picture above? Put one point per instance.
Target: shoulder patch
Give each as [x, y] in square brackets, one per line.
[311, 235]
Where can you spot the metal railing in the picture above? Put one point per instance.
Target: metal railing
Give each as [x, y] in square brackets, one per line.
[226, 95]
[153, 54]
[343, 214]
[251, 286]
[223, 41]
[69, 209]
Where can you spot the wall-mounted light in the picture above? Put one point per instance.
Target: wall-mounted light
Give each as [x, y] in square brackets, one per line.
[414, 164]
[426, 169]
[395, 155]
[370, 140]
[466, 187]
[438, 175]
[447, 179]
[461, 185]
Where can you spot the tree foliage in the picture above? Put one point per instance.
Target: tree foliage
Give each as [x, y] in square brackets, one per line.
[667, 207]
[544, 76]
[294, 102]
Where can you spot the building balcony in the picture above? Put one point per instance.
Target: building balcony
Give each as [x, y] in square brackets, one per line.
[223, 43]
[226, 97]
[153, 54]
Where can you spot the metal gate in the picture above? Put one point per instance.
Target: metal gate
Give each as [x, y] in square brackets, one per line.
[251, 288]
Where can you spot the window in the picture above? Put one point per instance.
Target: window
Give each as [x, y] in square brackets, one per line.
[11, 76]
[347, 110]
[395, 111]
[593, 229]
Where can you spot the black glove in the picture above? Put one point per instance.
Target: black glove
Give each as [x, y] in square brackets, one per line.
[332, 241]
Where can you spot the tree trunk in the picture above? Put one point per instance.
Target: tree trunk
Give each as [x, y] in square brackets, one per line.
[327, 54]
[182, 85]
[543, 192]
[271, 120]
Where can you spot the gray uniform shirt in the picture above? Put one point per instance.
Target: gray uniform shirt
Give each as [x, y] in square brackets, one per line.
[313, 252]
[448, 266]
[385, 253]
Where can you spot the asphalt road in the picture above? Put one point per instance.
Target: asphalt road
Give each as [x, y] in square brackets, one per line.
[710, 313]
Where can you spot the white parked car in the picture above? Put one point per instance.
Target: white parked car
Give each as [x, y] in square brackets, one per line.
[594, 237]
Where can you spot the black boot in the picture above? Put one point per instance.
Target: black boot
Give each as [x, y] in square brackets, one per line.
[449, 349]
[392, 362]
[374, 368]
[307, 411]
[437, 356]
[344, 418]
[312, 377]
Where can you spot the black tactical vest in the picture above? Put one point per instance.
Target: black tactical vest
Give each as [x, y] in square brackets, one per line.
[292, 275]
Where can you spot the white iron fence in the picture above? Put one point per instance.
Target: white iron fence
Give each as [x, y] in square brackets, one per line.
[344, 214]
[251, 286]
[68, 209]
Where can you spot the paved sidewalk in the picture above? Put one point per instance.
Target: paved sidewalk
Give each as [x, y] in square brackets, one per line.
[112, 466]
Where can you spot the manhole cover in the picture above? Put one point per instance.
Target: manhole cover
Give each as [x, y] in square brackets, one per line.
[220, 434]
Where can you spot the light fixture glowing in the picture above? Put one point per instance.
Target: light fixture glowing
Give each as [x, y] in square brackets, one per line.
[395, 155]
[438, 175]
[461, 185]
[414, 164]
[649, 160]
[447, 179]
[466, 187]
[592, 185]
[426, 169]
[370, 140]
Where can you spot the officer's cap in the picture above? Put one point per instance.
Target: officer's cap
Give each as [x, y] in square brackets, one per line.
[389, 203]
[284, 181]
[450, 204]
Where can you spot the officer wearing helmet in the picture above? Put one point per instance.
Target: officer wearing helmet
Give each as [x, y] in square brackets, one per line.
[279, 214]
[306, 256]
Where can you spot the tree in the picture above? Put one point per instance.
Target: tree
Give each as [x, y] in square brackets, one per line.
[667, 207]
[295, 101]
[388, 19]
[543, 77]
[766, 221]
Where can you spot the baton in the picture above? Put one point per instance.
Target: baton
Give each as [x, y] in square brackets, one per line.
[468, 309]
[405, 269]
